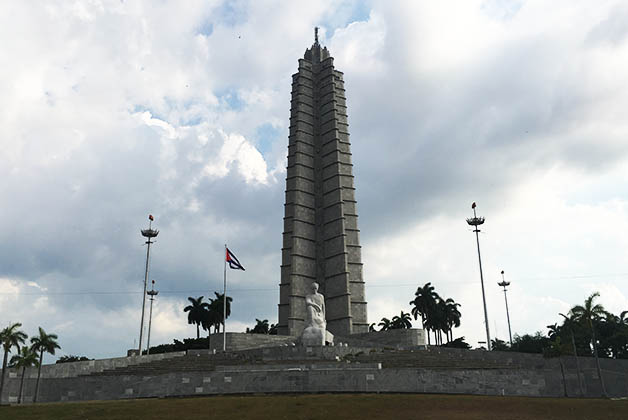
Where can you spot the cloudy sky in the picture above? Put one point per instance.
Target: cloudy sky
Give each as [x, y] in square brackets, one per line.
[112, 110]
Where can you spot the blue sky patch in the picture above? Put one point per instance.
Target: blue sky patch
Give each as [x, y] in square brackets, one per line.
[353, 11]
[264, 137]
[231, 98]
[231, 13]
[205, 28]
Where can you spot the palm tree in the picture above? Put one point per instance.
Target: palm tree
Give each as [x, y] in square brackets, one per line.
[196, 312]
[261, 327]
[210, 318]
[217, 306]
[586, 314]
[372, 327]
[25, 358]
[424, 304]
[10, 337]
[44, 343]
[613, 335]
[384, 324]
[403, 321]
[452, 317]
[439, 320]
[553, 331]
[569, 324]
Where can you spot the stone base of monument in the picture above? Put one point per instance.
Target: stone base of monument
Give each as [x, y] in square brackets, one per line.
[413, 338]
[289, 368]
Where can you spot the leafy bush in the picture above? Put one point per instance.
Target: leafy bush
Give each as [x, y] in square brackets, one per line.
[186, 344]
[458, 343]
[70, 358]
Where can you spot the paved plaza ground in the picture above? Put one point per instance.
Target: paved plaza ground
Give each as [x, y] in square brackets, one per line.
[329, 406]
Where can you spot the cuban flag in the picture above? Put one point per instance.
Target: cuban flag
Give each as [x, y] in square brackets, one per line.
[233, 261]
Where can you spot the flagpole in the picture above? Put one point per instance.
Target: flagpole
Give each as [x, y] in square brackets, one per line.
[224, 303]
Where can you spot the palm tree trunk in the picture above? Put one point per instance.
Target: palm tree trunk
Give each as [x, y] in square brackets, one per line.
[425, 329]
[597, 361]
[41, 356]
[575, 353]
[198, 334]
[4, 371]
[562, 371]
[19, 398]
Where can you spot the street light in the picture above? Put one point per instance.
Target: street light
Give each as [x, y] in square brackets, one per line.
[503, 284]
[149, 234]
[152, 293]
[476, 221]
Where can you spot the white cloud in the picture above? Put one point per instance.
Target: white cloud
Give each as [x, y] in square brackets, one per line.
[115, 110]
[156, 122]
[237, 151]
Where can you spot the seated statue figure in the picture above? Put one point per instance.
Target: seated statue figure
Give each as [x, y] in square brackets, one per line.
[315, 332]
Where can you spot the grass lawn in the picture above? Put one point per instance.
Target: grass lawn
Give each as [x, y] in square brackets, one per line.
[328, 407]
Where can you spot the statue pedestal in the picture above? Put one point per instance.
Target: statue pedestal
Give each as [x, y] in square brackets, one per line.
[313, 336]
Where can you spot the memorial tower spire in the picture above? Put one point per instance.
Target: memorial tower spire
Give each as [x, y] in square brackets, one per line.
[321, 237]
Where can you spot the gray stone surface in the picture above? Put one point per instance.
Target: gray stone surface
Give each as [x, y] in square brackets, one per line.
[243, 341]
[323, 369]
[399, 339]
[321, 236]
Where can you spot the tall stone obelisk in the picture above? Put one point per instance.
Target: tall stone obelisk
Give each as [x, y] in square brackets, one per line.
[321, 237]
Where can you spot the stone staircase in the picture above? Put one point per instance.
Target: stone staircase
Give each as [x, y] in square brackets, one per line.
[341, 357]
[187, 363]
[438, 359]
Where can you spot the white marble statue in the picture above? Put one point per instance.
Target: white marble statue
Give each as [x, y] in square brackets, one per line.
[315, 332]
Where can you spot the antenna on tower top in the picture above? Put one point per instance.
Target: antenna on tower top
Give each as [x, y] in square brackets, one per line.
[316, 34]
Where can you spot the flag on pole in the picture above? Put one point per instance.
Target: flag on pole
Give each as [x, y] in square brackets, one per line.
[150, 216]
[233, 261]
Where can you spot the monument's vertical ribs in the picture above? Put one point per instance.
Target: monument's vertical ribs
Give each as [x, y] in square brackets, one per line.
[321, 236]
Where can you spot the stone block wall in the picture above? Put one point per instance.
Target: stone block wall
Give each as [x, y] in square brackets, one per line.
[243, 341]
[321, 236]
[330, 370]
[399, 339]
[67, 371]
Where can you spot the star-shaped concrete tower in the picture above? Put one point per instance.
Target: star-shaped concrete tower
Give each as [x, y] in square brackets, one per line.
[321, 237]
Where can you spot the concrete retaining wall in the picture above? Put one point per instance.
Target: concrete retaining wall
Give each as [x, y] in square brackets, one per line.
[400, 338]
[290, 379]
[243, 341]
[522, 374]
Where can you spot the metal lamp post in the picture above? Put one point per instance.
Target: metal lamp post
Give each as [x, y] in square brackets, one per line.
[148, 234]
[152, 293]
[503, 284]
[476, 221]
